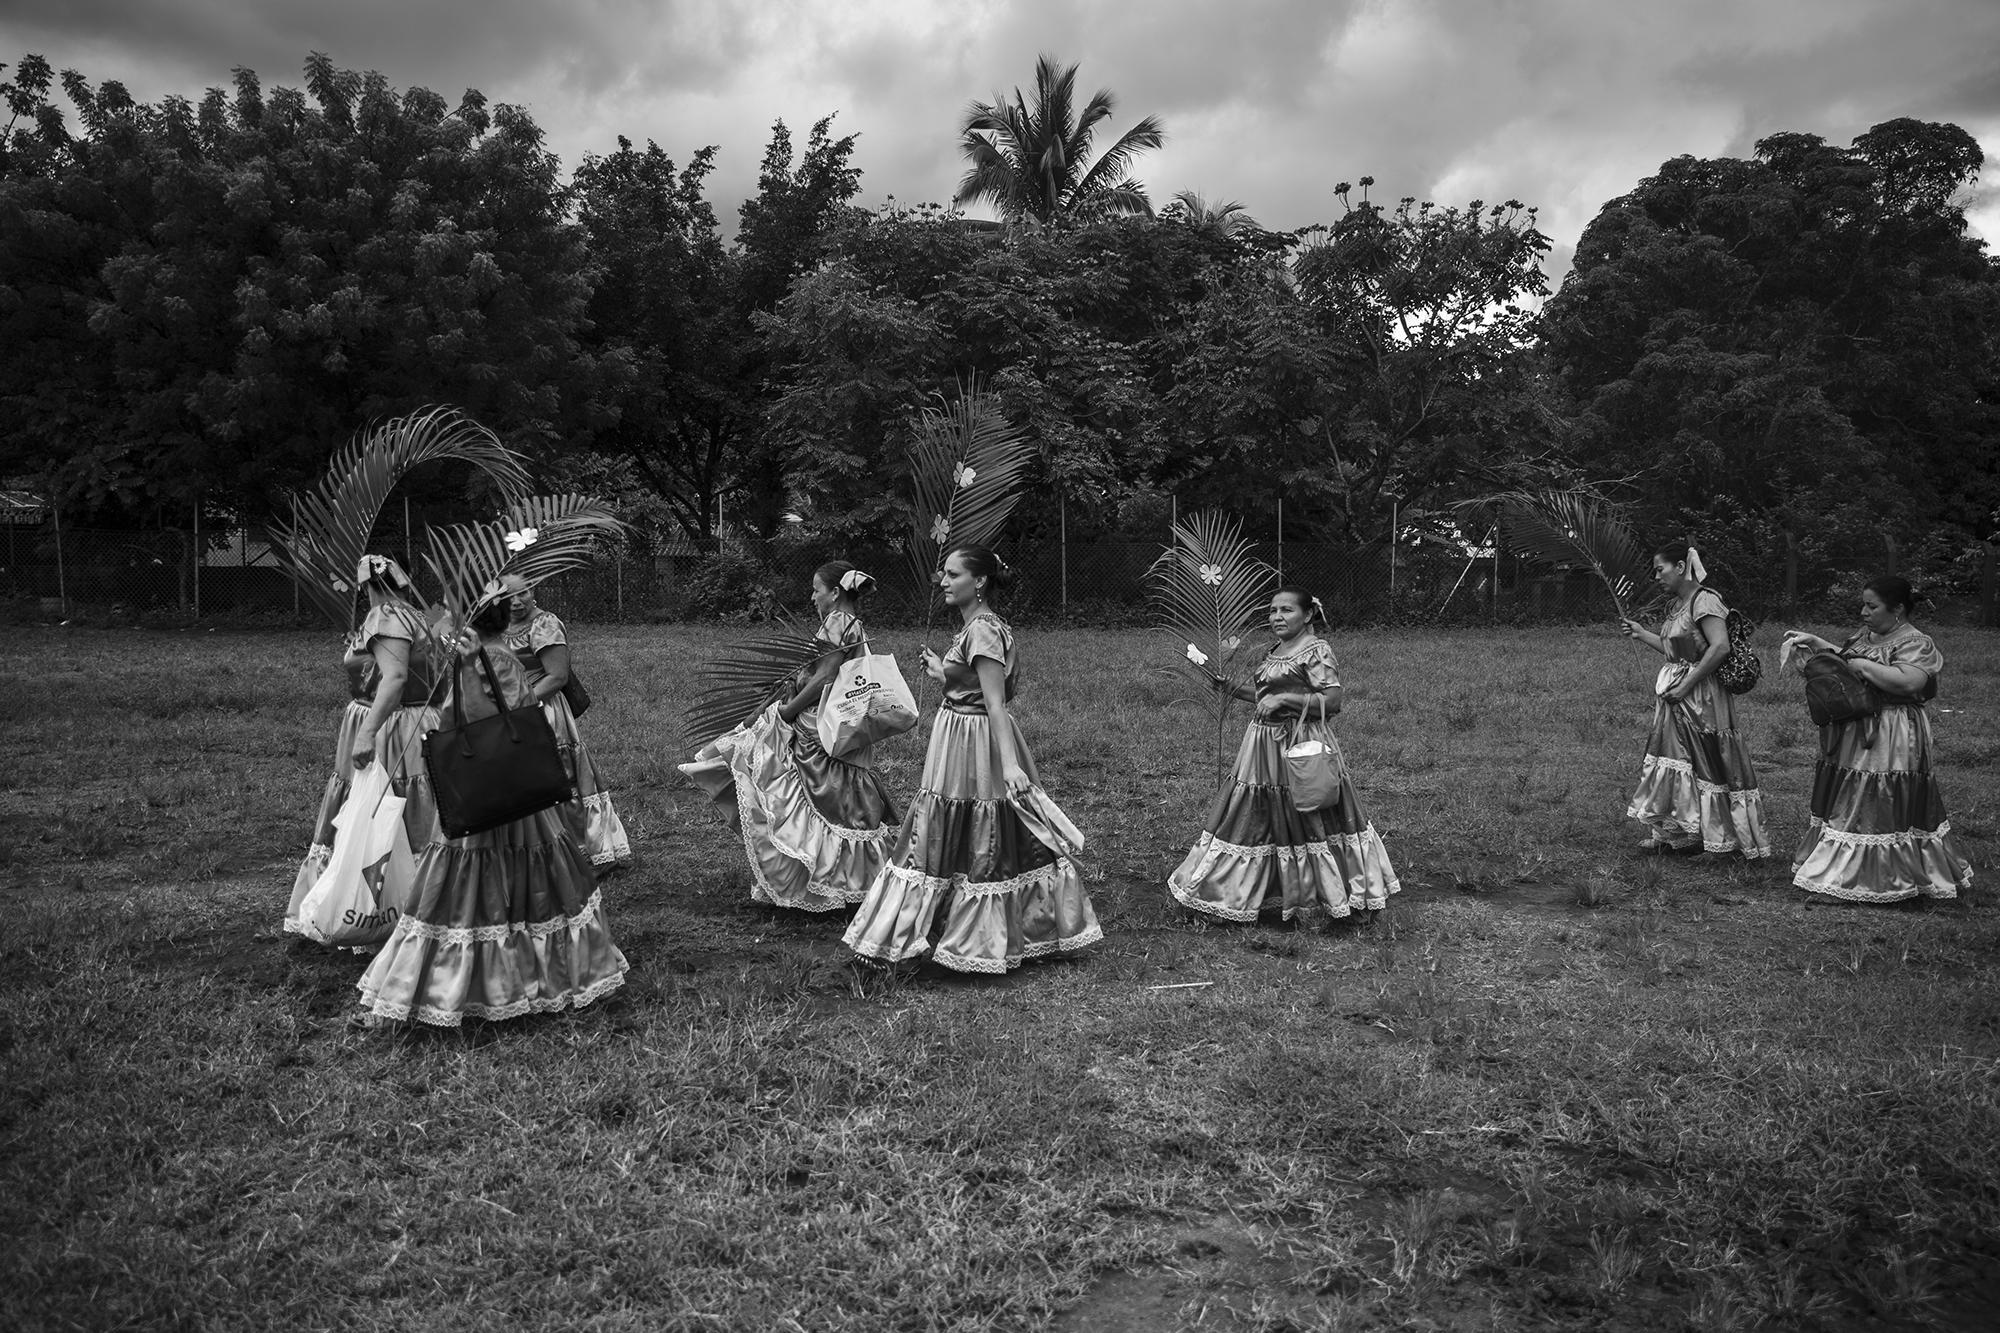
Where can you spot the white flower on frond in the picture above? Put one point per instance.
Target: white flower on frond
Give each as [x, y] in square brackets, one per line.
[339, 584]
[962, 476]
[1231, 644]
[518, 542]
[1197, 656]
[940, 528]
[1211, 574]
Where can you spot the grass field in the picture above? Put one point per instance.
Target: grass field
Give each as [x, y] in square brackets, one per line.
[1559, 1084]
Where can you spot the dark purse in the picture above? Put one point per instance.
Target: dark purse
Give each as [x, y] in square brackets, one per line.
[493, 770]
[577, 696]
[1835, 692]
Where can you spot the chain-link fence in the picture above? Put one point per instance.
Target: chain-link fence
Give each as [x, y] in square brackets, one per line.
[169, 574]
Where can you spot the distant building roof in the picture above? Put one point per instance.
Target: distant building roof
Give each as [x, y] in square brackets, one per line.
[24, 508]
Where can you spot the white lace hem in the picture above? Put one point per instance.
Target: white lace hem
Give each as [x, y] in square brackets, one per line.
[1037, 949]
[384, 1012]
[500, 934]
[993, 888]
[1907, 838]
[819, 899]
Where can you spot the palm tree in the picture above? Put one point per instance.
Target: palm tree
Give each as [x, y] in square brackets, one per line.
[1029, 158]
[1224, 219]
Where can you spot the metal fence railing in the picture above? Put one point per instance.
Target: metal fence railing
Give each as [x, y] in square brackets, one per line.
[171, 574]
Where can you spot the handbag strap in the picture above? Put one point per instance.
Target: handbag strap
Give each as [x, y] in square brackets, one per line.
[1299, 725]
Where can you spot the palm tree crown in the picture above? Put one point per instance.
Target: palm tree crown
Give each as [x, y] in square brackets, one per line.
[1029, 158]
[1225, 219]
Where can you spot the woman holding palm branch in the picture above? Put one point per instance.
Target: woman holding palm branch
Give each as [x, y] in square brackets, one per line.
[983, 848]
[390, 666]
[1256, 840]
[1697, 787]
[816, 828]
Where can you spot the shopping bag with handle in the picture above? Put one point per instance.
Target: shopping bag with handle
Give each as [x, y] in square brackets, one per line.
[1313, 766]
[867, 701]
[371, 872]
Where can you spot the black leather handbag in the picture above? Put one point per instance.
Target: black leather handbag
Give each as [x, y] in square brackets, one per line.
[493, 770]
[1835, 692]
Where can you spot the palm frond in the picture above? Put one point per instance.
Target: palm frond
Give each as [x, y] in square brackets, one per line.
[333, 521]
[1208, 592]
[968, 466]
[745, 679]
[1574, 530]
[537, 537]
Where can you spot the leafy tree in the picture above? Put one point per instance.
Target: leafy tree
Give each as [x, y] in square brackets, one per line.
[1032, 160]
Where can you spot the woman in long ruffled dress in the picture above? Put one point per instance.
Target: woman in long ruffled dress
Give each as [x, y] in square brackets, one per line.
[980, 876]
[541, 643]
[1697, 787]
[506, 922]
[1879, 830]
[816, 828]
[391, 668]
[1258, 851]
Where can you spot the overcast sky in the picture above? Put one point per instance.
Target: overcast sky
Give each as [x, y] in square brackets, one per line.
[1562, 104]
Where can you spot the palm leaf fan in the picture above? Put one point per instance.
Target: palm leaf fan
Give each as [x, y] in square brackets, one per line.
[536, 538]
[746, 679]
[968, 465]
[1208, 591]
[1575, 530]
[332, 523]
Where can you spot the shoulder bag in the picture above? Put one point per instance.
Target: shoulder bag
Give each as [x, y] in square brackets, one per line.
[493, 770]
[1313, 767]
[1835, 691]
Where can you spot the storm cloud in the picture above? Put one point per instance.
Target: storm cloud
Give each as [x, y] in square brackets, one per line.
[1562, 104]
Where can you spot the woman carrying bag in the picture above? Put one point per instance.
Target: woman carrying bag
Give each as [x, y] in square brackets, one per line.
[816, 828]
[1260, 851]
[391, 664]
[1697, 787]
[1879, 830]
[539, 640]
[507, 921]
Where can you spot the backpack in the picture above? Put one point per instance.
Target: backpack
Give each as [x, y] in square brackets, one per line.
[1741, 669]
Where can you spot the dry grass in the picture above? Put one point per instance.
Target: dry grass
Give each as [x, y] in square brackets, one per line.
[1559, 1084]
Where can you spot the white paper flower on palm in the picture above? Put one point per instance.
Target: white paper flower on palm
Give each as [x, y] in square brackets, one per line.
[338, 584]
[1197, 656]
[962, 476]
[1212, 574]
[518, 542]
[940, 528]
[1231, 644]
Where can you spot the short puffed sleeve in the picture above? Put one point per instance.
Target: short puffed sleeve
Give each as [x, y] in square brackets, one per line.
[841, 629]
[986, 637]
[391, 621]
[1706, 603]
[1321, 667]
[546, 631]
[1915, 648]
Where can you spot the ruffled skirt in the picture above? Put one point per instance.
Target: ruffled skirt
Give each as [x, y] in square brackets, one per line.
[1696, 780]
[604, 833]
[399, 744]
[817, 830]
[1879, 830]
[503, 923]
[1257, 848]
[976, 877]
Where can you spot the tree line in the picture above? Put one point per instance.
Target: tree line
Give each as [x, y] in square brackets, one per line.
[1784, 356]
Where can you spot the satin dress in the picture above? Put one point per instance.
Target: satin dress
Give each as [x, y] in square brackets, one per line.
[1257, 850]
[979, 878]
[502, 923]
[1879, 831]
[398, 743]
[816, 829]
[1696, 780]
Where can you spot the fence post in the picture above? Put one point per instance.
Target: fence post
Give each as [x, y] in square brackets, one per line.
[1281, 538]
[409, 541]
[62, 582]
[1062, 547]
[1889, 549]
[197, 558]
[618, 583]
[293, 572]
[1394, 503]
[1791, 570]
[1989, 587]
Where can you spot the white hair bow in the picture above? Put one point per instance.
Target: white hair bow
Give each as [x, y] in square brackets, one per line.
[854, 580]
[1695, 566]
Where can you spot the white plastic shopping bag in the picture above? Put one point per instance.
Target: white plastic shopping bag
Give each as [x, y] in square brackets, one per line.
[867, 702]
[371, 872]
